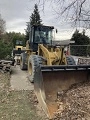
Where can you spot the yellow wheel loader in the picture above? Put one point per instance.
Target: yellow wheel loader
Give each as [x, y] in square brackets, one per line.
[51, 71]
[17, 51]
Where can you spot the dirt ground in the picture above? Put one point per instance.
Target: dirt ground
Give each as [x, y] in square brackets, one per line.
[15, 105]
[73, 104]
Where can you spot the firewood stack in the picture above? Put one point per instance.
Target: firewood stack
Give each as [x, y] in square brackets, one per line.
[5, 66]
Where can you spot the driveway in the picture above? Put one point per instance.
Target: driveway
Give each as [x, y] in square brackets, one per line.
[19, 79]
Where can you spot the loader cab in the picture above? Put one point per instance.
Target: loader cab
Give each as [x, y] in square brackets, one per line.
[40, 35]
[19, 43]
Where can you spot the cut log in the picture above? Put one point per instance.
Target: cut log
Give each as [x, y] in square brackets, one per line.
[5, 66]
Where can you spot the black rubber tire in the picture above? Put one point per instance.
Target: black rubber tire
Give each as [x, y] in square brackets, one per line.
[33, 62]
[70, 60]
[23, 66]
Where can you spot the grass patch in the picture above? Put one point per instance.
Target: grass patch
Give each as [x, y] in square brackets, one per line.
[15, 105]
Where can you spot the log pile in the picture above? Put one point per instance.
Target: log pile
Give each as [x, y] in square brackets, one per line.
[5, 66]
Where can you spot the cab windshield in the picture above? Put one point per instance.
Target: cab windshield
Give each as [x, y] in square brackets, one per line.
[43, 35]
[18, 42]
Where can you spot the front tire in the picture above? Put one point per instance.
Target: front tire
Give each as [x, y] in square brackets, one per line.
[33, 62]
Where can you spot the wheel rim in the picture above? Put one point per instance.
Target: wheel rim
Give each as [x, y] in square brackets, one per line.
[30, 69]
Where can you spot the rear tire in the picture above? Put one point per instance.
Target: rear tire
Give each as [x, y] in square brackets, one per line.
[23, 66]
[33, 62]
[70, 60]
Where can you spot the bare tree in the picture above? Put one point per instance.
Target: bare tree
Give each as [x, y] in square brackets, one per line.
[76, 11]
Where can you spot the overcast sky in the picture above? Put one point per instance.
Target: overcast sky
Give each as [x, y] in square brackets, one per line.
[17, 12]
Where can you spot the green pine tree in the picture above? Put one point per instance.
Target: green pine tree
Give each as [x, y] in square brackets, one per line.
[35, 17]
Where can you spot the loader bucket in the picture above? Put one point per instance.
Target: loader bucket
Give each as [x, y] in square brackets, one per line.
[49, 80]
